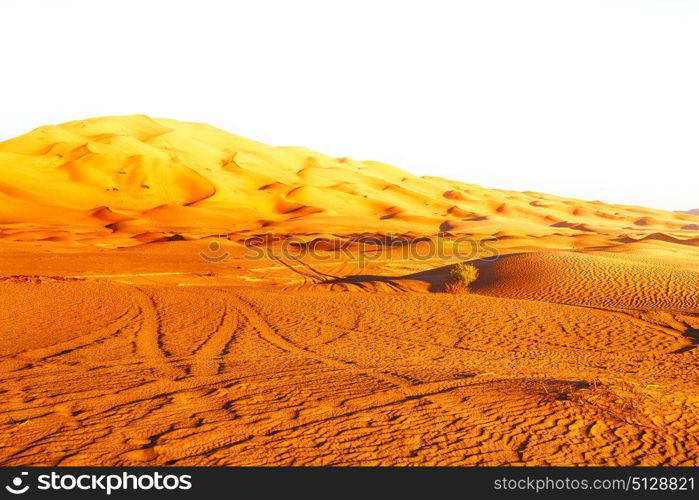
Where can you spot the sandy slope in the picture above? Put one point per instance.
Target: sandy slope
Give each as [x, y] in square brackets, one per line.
[125, 340]
[121, 181]
[213, 373]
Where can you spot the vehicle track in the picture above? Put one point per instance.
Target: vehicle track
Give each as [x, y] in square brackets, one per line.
[435, 392]
[207, 357]
[148, 341]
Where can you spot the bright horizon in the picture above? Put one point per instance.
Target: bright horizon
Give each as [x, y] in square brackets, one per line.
[587, 99]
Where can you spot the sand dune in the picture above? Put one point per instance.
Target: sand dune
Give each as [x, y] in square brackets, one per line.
[122, 177]
[128, 263]
[594, 280]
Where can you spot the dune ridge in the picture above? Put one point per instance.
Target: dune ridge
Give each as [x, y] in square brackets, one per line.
[127, 180]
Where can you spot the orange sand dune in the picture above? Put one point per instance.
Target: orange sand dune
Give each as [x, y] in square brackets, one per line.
[140, 325]
[107, 181]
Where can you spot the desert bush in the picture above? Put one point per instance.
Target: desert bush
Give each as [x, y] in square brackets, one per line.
[461, 276]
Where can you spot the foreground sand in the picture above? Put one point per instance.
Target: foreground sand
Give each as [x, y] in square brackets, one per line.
[134, 330]
[180, 361]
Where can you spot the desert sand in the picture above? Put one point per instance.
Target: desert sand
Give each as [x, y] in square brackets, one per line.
[136, 329]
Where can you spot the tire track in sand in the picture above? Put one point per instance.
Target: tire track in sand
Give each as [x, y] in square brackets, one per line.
[47, 353]
[148, 342]
[435, 392]
[207, 357]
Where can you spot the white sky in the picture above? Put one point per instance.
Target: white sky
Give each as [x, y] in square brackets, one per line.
[584, 98]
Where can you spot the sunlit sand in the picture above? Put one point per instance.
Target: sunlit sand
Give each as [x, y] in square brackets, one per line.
[137, 329]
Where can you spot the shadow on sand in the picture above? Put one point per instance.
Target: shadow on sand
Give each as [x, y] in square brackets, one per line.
[435, 279]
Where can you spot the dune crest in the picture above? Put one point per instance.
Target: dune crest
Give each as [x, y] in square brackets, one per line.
[111, 180]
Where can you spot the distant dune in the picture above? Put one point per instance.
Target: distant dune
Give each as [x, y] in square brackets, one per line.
[130, 180]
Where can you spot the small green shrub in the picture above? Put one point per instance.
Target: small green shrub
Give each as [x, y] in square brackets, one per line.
[461, 276]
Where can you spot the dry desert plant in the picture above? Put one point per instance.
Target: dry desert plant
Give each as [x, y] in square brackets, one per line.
[461, 276]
